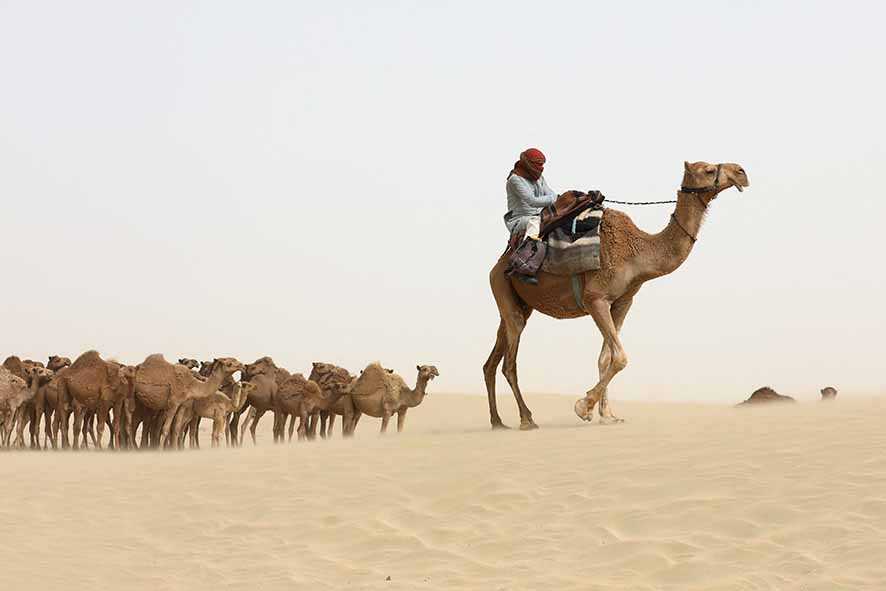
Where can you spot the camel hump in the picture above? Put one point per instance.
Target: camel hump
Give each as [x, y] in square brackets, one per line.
[154, 359]
[10, 380]
[376, 379]
[88, 359]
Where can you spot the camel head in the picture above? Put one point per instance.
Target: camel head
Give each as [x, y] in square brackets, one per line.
[264, 365]
[227, 365]
[189, 363]
[700, 176]
[828, 393]
[56, 363]
[427, 372]
[40, 374]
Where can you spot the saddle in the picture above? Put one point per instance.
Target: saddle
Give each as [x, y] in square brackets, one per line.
[567, 206]
[570, 238]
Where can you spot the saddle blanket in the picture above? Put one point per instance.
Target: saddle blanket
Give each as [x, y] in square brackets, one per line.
[575, 248]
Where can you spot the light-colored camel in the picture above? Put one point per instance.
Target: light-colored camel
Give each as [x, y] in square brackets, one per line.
[265, 375]
[13, 392]
[162, 386]
[335, 383]
[217, 407]
[378, 392]
[15, 395]
[629, 258]
[91, 385]
[36, 377]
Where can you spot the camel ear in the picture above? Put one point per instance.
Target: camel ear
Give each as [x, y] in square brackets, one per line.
[686, 165]
[418, 367]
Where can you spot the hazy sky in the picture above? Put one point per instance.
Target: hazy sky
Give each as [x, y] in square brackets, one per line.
[325, 181]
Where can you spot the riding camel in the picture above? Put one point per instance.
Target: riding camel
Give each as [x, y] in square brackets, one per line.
[378, 392]
[162, 386]
[629, 258]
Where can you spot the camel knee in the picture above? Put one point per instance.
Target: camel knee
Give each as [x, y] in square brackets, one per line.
[619, 361]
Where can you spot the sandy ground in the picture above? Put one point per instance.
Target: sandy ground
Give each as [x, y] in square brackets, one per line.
[680, 497]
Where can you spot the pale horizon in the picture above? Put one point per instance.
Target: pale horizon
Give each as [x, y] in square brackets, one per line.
[326, 183]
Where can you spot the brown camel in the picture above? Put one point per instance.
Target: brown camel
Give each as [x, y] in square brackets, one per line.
[47, 399]
[218, 407]
[290, 401]
[91, 385]
[345, 409]
[266, 377]
[828, 393]
[378, 392]
[629, 258]
[162, 386]
[335, 383]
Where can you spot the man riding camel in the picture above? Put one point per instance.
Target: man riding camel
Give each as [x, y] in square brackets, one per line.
[528, 194]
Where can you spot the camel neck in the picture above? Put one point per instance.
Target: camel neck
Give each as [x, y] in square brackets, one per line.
[418, 394]
[675, 242]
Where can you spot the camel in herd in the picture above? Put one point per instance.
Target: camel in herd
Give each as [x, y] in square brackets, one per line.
[334, 382]
[629, 258]
[290, 401]
[217, 407]
[162, 387]
[264, 375]
[91, 385]
[380, 393]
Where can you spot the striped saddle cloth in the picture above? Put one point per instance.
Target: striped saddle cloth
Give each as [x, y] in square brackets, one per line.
[575, 247]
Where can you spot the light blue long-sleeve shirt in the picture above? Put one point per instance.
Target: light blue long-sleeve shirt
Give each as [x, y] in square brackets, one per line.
[526, 199]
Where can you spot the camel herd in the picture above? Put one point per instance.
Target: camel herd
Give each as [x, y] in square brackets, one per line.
[159, 404]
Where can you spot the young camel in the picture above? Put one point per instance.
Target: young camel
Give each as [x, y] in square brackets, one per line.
[378, 392]
[217, 407]
[629, 258]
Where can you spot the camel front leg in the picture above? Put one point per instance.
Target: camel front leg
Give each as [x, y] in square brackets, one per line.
[385, 418]
[218, 425]
[602, 315]
[330, 424]
[165, 439]
[401, 419]
[619, 311]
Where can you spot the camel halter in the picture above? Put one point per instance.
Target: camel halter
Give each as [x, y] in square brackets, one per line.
[697, 191]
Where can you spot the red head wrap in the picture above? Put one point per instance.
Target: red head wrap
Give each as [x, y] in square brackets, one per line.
[530, 165]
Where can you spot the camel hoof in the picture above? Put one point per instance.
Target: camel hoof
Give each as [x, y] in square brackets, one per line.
[500, 427]
[583, 410]
[611, 420]
[530, 426]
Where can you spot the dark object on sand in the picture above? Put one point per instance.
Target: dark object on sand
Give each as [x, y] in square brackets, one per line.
[766, 394]
[828, 393]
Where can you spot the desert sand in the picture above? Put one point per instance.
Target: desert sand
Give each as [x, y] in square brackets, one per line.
[680, 497]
